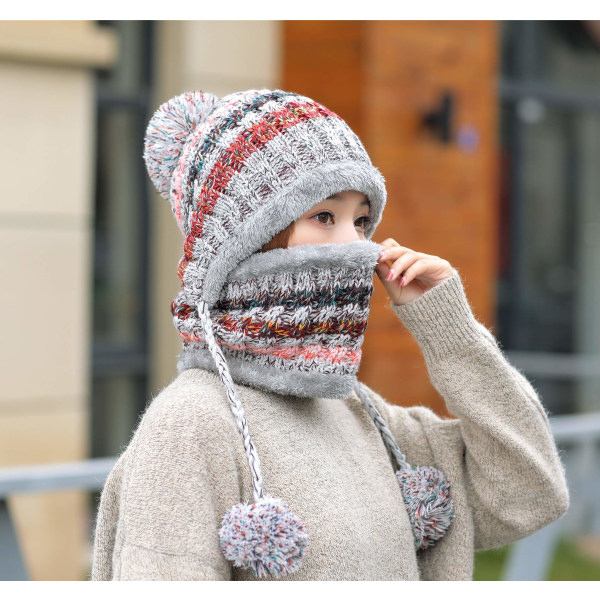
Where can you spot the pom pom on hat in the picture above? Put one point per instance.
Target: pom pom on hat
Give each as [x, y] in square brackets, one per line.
[167, 132]
[265, 536]
[426, 494]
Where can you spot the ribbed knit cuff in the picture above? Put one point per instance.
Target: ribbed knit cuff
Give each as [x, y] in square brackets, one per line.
[441, 319]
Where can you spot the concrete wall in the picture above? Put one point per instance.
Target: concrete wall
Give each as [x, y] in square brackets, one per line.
[219, 57]
[46, 242]
[46, 228]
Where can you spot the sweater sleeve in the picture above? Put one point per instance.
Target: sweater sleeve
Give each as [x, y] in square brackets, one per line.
[180, 478]
[507, 461]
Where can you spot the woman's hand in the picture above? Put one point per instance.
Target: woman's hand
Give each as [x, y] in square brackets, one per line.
[407, 274]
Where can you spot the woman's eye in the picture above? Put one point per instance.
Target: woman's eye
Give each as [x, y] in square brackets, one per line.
[321, 214]
[361, 222]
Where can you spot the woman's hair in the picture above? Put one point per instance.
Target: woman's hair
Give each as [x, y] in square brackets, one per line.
[280, 240]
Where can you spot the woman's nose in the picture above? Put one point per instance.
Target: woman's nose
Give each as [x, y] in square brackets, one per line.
[348, 234]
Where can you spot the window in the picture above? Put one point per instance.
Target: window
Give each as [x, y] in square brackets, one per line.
[120, 353]
[550, 267]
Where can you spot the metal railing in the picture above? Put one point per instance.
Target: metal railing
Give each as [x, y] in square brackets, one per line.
[577, 437]
[82, 475]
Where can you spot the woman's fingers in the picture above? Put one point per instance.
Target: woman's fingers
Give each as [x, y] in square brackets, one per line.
[391, 253]
[402, 258]
[415, 271]
[406, 260]
[419, 267]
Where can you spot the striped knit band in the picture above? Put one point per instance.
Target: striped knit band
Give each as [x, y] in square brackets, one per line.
[288, 320]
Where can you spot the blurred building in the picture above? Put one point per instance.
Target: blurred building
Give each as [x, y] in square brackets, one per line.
[487, 134]
[48, 112]
[549, 272]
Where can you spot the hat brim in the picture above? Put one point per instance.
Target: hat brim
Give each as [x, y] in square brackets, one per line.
[290, 204]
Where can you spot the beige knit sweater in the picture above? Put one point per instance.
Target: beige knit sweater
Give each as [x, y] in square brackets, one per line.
[185, 465]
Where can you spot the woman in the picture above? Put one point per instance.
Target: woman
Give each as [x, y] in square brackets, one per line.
[278, 200]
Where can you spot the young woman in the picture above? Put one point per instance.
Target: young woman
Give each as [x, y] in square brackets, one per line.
[266, 457]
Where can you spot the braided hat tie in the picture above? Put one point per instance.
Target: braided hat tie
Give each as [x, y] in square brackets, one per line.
[425, 490]
[236, 171]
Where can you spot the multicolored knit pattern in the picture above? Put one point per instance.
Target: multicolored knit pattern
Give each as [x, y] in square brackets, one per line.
[264, 536]
[241, 168]
[294, 314]
[238, 170]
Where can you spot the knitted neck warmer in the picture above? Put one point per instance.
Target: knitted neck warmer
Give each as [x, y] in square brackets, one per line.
[292, 321]
[236, 171]
[289, 320]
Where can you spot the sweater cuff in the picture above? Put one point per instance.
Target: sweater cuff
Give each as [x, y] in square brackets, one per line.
[441, 319]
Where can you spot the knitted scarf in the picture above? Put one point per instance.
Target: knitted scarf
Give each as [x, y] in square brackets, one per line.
[289, 320]
[292, 321]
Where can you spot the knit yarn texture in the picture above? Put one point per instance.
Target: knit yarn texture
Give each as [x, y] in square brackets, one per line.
[163, 502]
[290, 320]
[187, 500]
[240, 169]
[237, 171]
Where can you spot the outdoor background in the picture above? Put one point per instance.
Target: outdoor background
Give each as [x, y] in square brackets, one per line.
[488, 134]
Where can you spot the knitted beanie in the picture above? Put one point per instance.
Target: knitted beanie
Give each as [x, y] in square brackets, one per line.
[236, 171]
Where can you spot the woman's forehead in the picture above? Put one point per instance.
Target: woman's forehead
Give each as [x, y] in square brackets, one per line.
[344, 195]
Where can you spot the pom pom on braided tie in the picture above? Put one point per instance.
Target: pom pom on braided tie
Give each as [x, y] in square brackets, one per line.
[426, 494]
[425, 490]
[265, 536]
